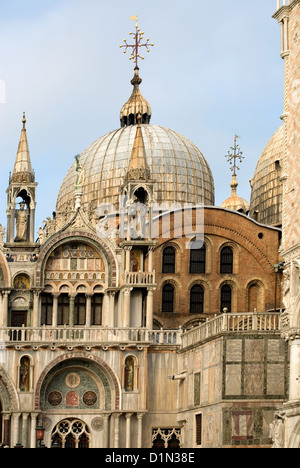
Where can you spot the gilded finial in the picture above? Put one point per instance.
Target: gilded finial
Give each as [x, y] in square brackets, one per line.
[138, 37]
[235, 154]
[24, 121]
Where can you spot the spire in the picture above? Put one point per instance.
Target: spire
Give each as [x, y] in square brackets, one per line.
[234, 202]
[138, 168]
[136, 103]
[23, 171]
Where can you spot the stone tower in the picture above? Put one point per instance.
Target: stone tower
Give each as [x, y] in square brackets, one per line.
[288, 16]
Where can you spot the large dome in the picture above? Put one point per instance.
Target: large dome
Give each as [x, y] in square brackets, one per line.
[178, 166]
[266, 195]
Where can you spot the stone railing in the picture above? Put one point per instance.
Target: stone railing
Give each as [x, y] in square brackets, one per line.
[84, 336]
[281, 3]
[138, 278]
[247, 322]
[104, 337]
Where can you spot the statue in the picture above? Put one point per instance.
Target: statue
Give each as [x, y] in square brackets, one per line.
[277, 432]
[129, 374]
[137, 213]
[79, 173]
[21, 223]
[2, 235]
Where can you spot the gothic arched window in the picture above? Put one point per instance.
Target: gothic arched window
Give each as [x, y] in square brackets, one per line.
[226, 260]
[168, 298]
[169, 258]
[197, 300]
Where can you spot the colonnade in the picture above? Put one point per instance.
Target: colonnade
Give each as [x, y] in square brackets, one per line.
[19, 428]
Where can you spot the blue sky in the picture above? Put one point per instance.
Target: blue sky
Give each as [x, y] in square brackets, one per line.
[215, 71]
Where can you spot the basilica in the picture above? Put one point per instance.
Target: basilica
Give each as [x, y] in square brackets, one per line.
[141, 315]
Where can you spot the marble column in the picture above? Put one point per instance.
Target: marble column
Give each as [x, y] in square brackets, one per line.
[126, 297]
[25, 417]
[6, 429]
[35, 314]
[149, 311]
[111, 321]
[117, 430]
[33, 430]
[106, 430]
[140, 417]
[88, 319]
[15, 429]
[5, 295]
[55, 309]
[294, 369]
[105, 310]
[128, 417]
[72, 298]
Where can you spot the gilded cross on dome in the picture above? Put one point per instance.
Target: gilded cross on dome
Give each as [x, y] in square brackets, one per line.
[234, 155]
[138, 37]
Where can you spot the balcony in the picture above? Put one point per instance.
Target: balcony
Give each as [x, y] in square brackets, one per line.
[80, 337]
[99, 337]
[138, 279]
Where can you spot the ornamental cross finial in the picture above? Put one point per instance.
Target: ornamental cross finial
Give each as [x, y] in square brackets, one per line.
[138, 37]
[234, 155]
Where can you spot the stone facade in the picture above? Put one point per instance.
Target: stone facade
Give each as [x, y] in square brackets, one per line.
[138, 324]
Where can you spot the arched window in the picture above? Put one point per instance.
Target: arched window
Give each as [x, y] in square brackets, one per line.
[226, 261]
[63, 309]
[168, 298]
[80, 309]
[197, 300]
[97, 301]
[169, 258]
[198, 260]
[226, 298]
[47, 309]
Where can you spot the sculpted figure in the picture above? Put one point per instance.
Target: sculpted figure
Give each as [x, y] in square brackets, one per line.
[79, 173]
[21, 224]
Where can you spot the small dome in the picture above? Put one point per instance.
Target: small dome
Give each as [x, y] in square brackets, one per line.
[181, 171]
[135, 105]
[266, 194]
[236, 203]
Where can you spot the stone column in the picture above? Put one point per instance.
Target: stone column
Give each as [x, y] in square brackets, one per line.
[140, 430]
[111, 320]
[106, 310]
[72, 298]
[294, 368]
[15, 429]
[127, 257]
[6, 429]
[126, 296]
[106, 430]
[117, 430]
[25, 429]
[150, 259]
[5, 295]
[33, 430]
[128, 417]
[55, 309]
[88, 319]
[35, 314]
[149, 312]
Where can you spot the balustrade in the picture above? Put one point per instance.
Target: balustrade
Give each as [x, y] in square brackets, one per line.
[95, 336]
